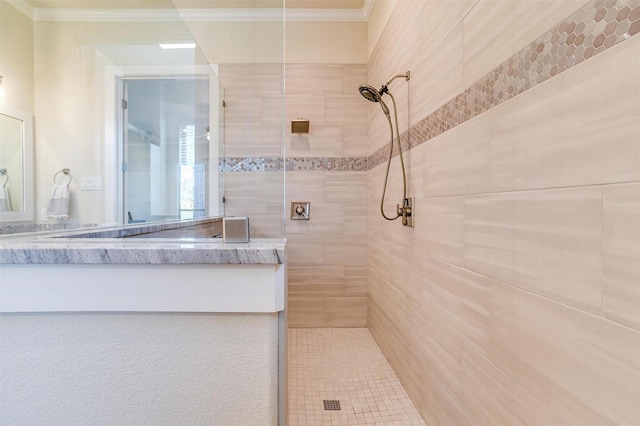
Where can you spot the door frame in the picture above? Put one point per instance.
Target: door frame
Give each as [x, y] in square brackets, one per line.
[113, 154]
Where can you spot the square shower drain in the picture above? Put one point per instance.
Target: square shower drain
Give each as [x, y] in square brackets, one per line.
[331, 404]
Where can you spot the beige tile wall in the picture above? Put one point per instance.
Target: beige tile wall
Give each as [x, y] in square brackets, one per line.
[524, 21]
[621, 254]
[328, 254]
[516, 297]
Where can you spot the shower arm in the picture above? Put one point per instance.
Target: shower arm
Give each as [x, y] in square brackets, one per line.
[384, 89]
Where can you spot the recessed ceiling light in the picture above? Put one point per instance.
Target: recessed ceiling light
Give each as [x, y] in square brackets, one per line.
[178, 45]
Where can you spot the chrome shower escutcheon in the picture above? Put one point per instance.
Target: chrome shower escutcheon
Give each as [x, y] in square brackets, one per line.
[406, 211]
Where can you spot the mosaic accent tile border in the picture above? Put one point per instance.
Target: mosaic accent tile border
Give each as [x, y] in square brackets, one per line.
[593, 29]
[329, 164]
[250, 164]
[590, 31]
[295, 164]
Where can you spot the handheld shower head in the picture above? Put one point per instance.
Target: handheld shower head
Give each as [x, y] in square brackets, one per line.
[371, 94]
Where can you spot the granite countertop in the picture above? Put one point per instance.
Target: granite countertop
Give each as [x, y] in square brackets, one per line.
[108, 246]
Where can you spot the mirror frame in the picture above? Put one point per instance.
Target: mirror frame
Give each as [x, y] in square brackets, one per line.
[28, 166]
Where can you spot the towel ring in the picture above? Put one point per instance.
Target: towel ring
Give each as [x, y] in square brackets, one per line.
[64, 171]
[3, 172]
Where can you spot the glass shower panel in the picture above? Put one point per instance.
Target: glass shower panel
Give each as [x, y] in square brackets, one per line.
[82, 56]
[248, 50]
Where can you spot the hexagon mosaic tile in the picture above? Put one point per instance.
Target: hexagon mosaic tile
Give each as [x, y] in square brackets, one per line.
[296, 164]
[596, 27]
[593, 29]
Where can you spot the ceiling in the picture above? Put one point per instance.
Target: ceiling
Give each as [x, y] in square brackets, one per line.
[195, 4]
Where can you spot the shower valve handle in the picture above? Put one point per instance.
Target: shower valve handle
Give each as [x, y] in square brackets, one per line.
[405, 211]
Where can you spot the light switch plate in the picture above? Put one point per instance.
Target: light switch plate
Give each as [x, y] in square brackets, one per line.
[91, 183]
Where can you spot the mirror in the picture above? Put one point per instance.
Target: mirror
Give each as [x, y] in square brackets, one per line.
[63, 63]
[16, 165]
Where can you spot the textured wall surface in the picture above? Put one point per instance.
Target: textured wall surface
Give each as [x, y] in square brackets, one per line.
[160, 369]
[515, 299]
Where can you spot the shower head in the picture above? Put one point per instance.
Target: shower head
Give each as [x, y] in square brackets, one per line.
[371, 94]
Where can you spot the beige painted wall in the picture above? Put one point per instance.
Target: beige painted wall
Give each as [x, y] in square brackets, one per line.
[239, 42]
[382, 10]
[326, 42]
[16, 57]
[515, 298]
[262, 42]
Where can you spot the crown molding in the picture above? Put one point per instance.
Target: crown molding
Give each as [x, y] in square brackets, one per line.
[367, 8]
[107, 15]
[331, 15]
[231, 15]
[325, 15]
[195, 15]
[23, 7]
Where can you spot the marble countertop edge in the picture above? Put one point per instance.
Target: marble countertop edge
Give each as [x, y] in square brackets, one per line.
[73, 247]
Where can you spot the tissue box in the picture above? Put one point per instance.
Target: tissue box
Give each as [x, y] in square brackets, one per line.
[235, 229]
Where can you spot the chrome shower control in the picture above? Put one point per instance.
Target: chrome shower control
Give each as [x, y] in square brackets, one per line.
[300, 210]
[406, 212]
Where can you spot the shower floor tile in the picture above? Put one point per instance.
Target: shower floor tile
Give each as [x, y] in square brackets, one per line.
[343, 364]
